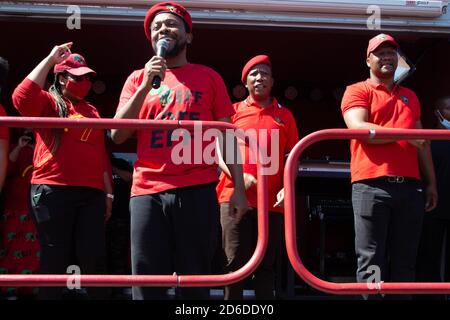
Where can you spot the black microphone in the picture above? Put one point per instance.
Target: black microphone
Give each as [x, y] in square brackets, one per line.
[161, 49]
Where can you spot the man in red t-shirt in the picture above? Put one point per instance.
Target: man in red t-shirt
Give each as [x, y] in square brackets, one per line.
[4, 132]
[387, 194]
[276, 134]
[174, 208]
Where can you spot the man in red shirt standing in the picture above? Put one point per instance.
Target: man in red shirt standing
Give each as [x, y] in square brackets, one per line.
[276, 131]
[4, 132]
[174, 209]
[387, 175]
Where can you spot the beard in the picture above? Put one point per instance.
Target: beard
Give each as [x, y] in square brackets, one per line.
[176, 49]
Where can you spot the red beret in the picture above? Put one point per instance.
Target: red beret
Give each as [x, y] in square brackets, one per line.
[376, 41]
[253, 62]
[171, 7]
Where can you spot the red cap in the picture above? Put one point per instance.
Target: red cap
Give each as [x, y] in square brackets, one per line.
[171, 7]
[75, 64]
[253, 62]
[376, 41]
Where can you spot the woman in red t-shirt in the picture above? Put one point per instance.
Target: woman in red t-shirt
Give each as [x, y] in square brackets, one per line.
[70, 186]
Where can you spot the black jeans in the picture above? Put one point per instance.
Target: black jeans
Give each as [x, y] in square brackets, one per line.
[239, 243]
[70, 224]
[174, 231]
[388, 223]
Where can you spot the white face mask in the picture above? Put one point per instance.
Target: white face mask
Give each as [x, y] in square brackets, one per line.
[444, 122]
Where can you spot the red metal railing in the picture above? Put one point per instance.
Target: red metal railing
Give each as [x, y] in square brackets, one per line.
[290, 174]
[142, 280]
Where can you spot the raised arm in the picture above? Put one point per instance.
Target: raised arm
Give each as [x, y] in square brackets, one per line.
[57, 55]
[29, 97]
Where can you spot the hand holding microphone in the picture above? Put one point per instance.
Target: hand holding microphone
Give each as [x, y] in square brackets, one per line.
[161, 49]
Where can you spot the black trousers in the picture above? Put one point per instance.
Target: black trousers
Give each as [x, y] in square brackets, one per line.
[388, 224]
[70, 224]
[239, 243]
[174, 231]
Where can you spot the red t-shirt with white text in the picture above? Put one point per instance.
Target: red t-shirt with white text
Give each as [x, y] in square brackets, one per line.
[190, 92]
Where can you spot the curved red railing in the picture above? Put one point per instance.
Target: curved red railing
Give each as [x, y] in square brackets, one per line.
[290, 174]
[142, 280]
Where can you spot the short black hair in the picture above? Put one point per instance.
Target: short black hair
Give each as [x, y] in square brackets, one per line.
[4, 68]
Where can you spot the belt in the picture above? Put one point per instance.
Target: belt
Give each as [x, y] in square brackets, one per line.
[398, 179]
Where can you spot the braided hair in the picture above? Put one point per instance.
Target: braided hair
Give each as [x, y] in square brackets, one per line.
[56, 92]
[62, 108]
